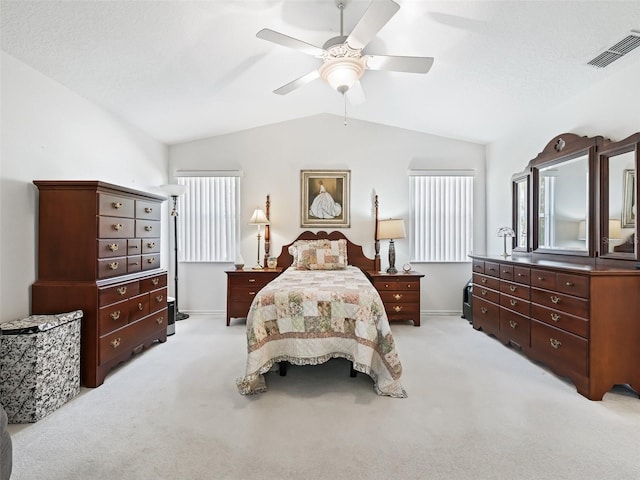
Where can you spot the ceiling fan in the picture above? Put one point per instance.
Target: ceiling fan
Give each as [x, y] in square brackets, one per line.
[343, 60]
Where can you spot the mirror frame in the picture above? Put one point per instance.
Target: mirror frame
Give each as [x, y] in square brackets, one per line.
[561, 149]
[524, 177]
[612, 149]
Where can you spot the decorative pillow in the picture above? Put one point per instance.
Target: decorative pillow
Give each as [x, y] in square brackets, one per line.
[320, 254]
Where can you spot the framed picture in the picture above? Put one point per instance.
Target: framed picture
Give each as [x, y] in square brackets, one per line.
[324, 198]
[629, 199]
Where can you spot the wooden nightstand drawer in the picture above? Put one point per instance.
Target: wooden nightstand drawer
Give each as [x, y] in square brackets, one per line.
[242, 287]
[396, 284]
[399, 296]
[402, 311]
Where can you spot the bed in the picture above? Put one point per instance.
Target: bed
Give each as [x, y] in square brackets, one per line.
[321, 307]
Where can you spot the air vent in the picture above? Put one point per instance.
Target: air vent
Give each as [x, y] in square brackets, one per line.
[620, 49]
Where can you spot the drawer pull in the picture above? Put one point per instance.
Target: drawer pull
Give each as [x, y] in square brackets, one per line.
[113, 247]
[541, 278]
[113, 265]
[569, 284]
[117, 227]
[115, 343]
[133, 246]
[513, 324]
[386, 285]
[484, 280]
[148, 228]
[555, 317]
[484, 310]
[512, 288]
[252, 293]
[134, 264]
[148, 209]
[491, 269]
[151, 245]
[159, 320]
[505, 271]
[155, 281]
[397, 296]
[397, 309]
[159, 298]
[252, 280]
[151, 260]
[115, 315]
[519, 274]
[555, 343]
[122, 290]
[408, 286]
[555, 299]
[513, 302]
[140, 306]
[483, 292]
[117, 205]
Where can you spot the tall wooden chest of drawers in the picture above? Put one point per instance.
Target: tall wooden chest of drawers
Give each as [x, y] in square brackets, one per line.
[99, 252]
[581, 321]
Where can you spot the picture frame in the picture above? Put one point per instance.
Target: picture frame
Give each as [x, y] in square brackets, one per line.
[325, 198]
[629, 199]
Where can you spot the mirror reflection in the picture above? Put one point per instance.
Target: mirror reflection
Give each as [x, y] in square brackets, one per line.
[521, 213]
[622, 206]
[563, 213]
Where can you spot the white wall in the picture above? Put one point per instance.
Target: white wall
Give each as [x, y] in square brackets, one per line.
[378, 156]
[611, 108]
[51, 133]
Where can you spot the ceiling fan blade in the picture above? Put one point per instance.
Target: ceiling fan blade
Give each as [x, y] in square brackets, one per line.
[290, 42]
[375, 17]
[297, 83]
[355, 94]
[399, 64]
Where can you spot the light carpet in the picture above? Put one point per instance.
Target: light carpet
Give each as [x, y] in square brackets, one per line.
[476, 410]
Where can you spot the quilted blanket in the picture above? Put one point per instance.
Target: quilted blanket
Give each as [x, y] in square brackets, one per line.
[308, 317]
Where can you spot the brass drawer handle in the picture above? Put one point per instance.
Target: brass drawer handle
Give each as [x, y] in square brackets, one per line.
[397, 309]
[151, 260]
[134, 263]
[252, 280]
[159, 320]
[117, 205]
[555, 343]
[409, 286]
[397, 296]
[133, 246]
[113, 247]
[491, 269]
[484, 280]
[541, 278]
[569, 284]
[122, 290]
[140, 306]
[513, 324]
[155, 281]
[113, 265]
[252, 293]
[512, 288]
[505, 271]
[148, 228]
[484, 310]
[555, 299]
[151, 244]
[115, 343]
[555, 317]
[148, 209]
[513, 302]
[483, 292]
[386, 285]
[115, 315]
[117, 227]
[519, 274]
[159, 298]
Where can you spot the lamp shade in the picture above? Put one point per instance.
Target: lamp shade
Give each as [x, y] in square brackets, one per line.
[615, 231]
[391, 228]
[582, 230]
[258, 218]
[173, 189]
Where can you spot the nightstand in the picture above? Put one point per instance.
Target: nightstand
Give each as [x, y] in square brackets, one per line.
[242, 286]
[400, 293]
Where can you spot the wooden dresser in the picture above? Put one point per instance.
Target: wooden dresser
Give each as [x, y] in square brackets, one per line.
[242, 286]
[99, 252]
[400, 293]
[582, 321]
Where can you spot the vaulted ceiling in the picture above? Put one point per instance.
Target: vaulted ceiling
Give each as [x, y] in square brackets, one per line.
[181, 70]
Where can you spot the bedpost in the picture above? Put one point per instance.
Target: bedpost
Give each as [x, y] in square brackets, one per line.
[267, 231]
[376, 259]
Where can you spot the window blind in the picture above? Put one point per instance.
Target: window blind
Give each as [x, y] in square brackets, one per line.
[441, 217]
[208, 222]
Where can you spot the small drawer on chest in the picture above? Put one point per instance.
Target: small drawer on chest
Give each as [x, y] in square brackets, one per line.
[150, 261]
[562, 320]
[153, 283]
[515, 328]
[151, 245]
[399, 296]
[383, 284]
[515, 304]
[576, 285]
[112, 248]
[138, 307]
[147, 210]
[111, 267]
[147, 228]
[113, 316]
[557, 301]
[486, 282]
[116, 293]
[515, 290]
[113, 227]
[486, 294]
[562, 351]
[115, 206]
[157, 300]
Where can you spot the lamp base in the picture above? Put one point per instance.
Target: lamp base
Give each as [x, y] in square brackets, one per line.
[392, 270]
[257, 267]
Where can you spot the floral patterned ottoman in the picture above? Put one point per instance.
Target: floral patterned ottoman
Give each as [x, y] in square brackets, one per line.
[39, 364]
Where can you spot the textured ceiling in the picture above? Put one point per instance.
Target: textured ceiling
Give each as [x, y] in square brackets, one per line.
[181, 70]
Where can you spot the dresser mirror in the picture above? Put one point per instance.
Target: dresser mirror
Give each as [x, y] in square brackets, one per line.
[619, 194]
[520, 209]
[563, 204]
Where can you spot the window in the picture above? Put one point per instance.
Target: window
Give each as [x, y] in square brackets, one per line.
[208, 225]
[441, 216]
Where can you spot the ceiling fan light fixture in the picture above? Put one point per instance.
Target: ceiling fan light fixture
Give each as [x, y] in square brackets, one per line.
[342, 73]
